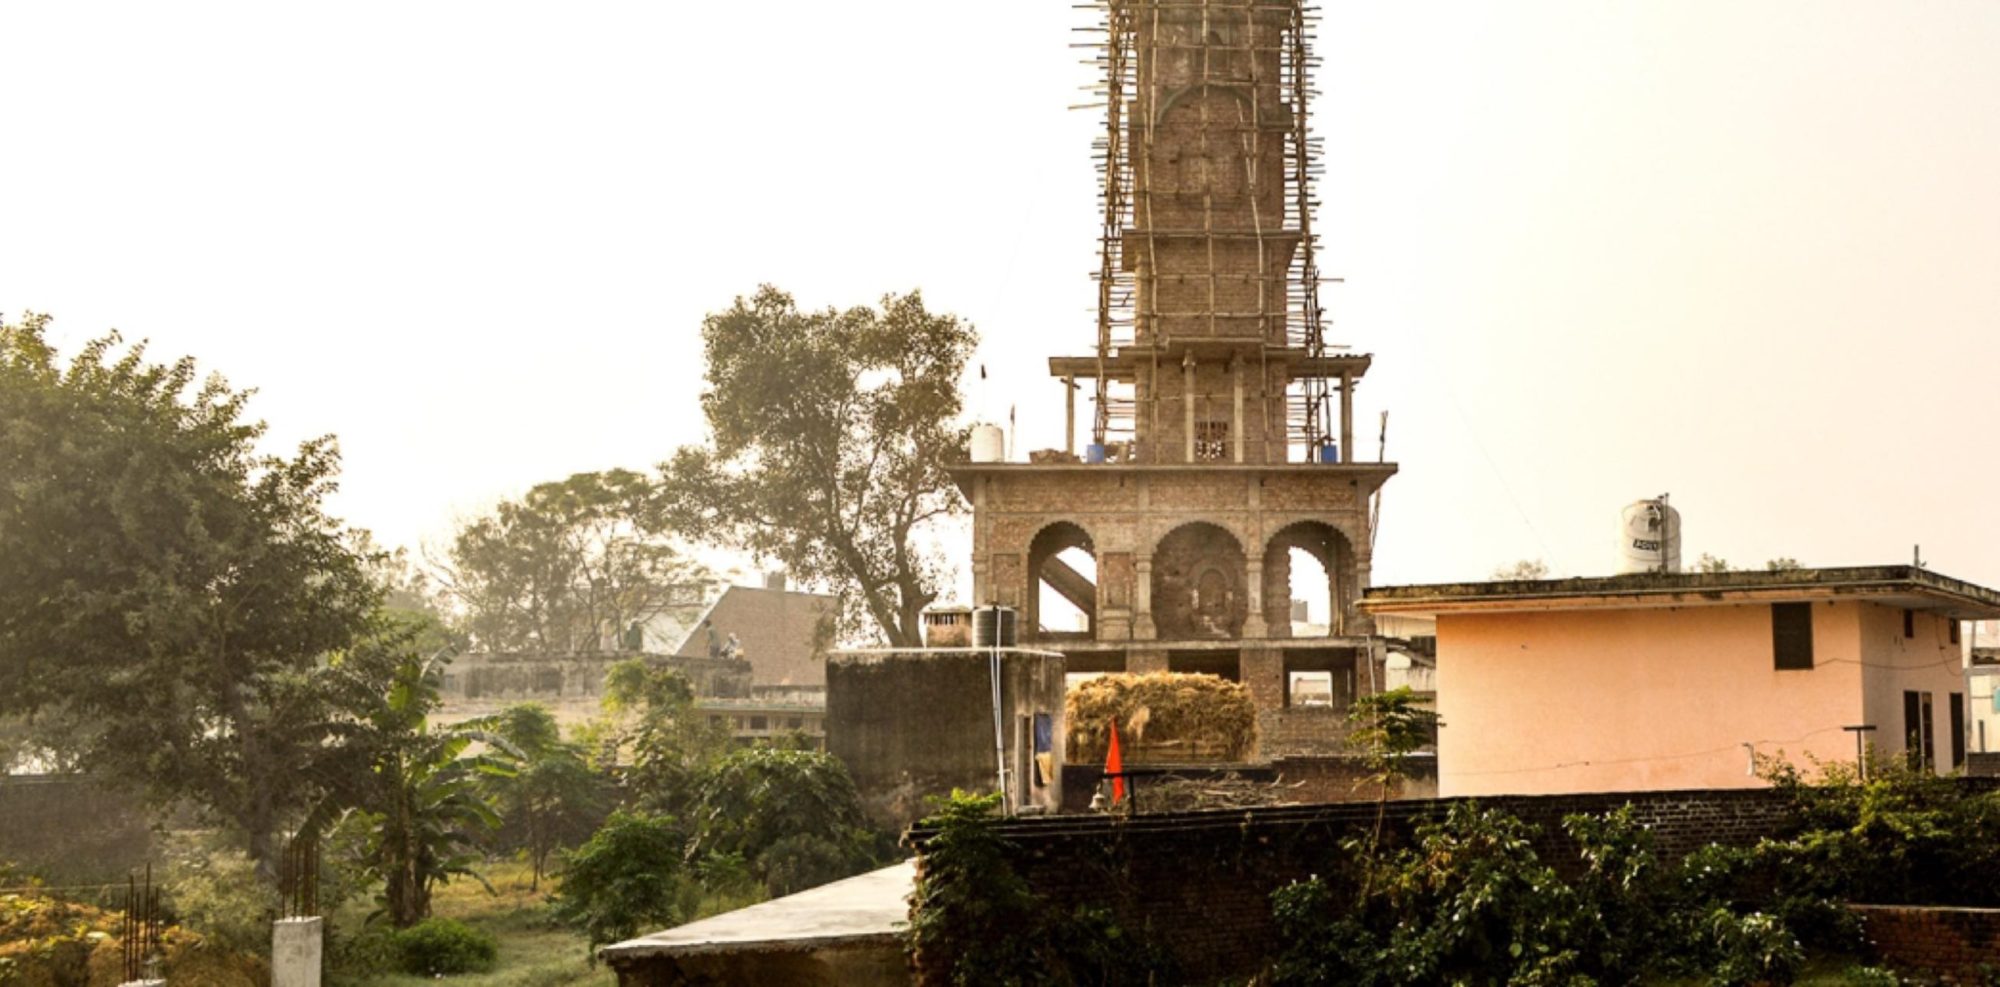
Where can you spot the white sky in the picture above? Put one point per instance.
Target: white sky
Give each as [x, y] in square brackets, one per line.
[1747, 252]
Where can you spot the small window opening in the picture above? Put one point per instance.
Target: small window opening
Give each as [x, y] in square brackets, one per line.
[1211, 440]
[1909, 623]
[1791, 636]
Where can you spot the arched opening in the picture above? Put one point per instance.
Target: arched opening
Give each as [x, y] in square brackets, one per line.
[1198, 590]
[1062, 583]
[1312, 562]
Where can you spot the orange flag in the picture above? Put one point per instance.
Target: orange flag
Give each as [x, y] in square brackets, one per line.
[1114, 764]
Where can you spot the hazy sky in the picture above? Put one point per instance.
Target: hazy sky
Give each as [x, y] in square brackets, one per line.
[1746, 252]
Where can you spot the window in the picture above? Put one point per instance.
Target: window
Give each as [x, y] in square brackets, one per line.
[759, 723]
[1211, 440]
[1953, 625]
[1918, 745]
[1957, 729]
[1791, 636]
[1310, 689]
[795, 723]
[1909, 623]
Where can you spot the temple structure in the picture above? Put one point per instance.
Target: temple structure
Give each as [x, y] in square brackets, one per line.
[1221, 441]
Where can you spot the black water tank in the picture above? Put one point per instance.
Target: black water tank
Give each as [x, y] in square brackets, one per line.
[993, 626]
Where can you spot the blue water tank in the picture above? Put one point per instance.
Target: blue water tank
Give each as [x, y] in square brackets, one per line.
[1329, 452]
[1093, 452]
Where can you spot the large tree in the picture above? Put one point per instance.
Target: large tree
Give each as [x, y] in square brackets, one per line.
[567, 568]
[167, 591]
[831, 431]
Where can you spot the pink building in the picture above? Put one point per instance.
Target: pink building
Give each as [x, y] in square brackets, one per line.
[1660, 681]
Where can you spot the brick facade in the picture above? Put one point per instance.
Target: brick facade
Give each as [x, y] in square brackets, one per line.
[1199, 883]
[1960, 943]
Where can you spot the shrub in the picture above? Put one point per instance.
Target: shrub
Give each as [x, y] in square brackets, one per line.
[437, 946]
[626, 876]
[1751, 949]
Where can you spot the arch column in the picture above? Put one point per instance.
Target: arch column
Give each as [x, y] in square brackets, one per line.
[1253, 597]
[1142, 597]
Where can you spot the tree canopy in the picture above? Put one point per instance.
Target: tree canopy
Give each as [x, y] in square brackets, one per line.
[831, 431]
[166, 589]
[567, 568]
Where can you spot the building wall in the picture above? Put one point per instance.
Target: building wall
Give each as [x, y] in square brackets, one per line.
[912, 724]
[571, 686]
[1638, 699]
[1928, 662]
[68, 828]
[1199, 883]
[1984, 725]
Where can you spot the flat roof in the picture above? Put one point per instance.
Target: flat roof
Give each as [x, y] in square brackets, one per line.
[870, 909]
[1904, 586]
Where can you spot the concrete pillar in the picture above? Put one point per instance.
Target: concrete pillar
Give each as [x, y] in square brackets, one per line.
[1142, 594]
[1347, 418]
[1142, 662]
[1069, 417]
[295, 952]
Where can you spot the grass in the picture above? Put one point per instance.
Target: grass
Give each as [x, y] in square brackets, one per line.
[533, 951]
[1823, 971]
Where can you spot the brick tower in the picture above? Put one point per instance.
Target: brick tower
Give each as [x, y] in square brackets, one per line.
[1222, 422]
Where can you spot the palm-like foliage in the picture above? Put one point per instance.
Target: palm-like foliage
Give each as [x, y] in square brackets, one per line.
[418, 789]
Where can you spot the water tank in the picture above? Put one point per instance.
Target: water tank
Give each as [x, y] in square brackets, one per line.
[1649, 537]
[993, 627]
[989, 444]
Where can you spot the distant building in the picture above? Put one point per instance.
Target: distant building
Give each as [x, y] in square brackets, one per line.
[570, 685]
[784, 634]
[772, 712]
[1664, 681]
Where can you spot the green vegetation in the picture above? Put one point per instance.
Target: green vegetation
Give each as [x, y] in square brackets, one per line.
[830, 434]
[567, 568]
[438, 946]
[975, 921]
[171, 592]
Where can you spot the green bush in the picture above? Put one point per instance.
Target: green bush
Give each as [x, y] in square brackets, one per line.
[626, 877]
[437, 946]
[1751, 949]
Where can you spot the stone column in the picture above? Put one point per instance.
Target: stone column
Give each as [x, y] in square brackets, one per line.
[1237, 426]
[1253, 598]
[1142, 594]
[1187, 404]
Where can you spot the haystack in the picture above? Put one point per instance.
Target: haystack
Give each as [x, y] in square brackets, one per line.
[1163, 718]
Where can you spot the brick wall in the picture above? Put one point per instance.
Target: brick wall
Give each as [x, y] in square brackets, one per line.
[1953, 942]
[1199, 883]
[71, 829]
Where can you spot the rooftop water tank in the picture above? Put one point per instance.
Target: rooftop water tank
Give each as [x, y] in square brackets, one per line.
[989, 444]
[1649, 537]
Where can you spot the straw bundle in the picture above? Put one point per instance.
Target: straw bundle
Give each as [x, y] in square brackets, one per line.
[1163, 717]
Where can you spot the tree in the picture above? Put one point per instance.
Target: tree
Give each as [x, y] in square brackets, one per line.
[166, 590]
[669, 740]
[553, 799]
[831, 432]
[793, 814]
[567, 567]
[628, 876]
[1783, 563]
[1524, 569]
[417, 788]
[1387, 728]
[1710, 564]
